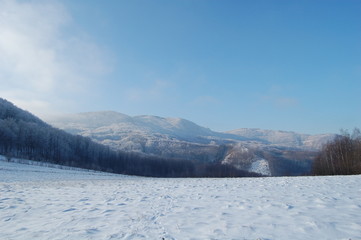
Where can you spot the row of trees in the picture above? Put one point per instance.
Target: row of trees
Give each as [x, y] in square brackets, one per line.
[23, 135]
[342, 156]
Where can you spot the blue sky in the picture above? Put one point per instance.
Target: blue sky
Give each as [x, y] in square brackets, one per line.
[282, 65]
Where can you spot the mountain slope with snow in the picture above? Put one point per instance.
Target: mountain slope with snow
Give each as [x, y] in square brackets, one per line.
[176, 138]
[283, 138]
[166, 137]
[123, 123]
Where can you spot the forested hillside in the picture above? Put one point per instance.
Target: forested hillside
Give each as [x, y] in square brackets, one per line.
[23, 135]
[342, 156]
[282, 153]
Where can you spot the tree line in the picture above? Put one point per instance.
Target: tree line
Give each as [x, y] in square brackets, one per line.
[23, 135]
[342, 156]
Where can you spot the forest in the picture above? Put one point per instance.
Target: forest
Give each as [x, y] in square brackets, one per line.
[342, 156]
[23, 135]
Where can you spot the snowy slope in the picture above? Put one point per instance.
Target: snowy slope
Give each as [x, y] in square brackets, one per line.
[174, 138]
[28, 171]
[166, 137]
[283, 138]
[115, 126]
[260, 166]
[121, 123]
[98, 206]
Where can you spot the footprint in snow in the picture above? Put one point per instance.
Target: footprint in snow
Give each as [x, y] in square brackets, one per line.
[92, 231]
[69, 210]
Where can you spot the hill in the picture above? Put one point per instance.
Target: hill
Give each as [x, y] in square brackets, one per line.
[23, 135]
[264, 151]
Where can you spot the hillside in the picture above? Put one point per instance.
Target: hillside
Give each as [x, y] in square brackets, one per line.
[154, 146]
[284, 138]
[282, 153]
[22, 135]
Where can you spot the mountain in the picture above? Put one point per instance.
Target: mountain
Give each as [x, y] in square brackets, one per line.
[263, 151]
[92, 121]
[283, 138]
[10, 111]
[23, 135]
[166, 137]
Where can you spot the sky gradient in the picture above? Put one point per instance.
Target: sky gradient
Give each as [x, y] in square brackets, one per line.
[281, 65]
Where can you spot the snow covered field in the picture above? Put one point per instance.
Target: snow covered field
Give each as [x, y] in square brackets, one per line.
[48, 203]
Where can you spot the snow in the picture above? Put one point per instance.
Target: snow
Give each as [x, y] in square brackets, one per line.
[177, 138]
[107, 123]
[260, 166]
[49, 203]
[284, 138]
[119, 130]
[26, 171]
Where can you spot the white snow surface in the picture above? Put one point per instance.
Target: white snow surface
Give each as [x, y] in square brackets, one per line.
[47, 203]
[260, 166]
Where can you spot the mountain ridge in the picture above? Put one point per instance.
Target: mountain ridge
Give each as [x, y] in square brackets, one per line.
[184, 128]
[175, 138]
[23, 135]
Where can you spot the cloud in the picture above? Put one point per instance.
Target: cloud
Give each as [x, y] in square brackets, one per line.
[43, 59]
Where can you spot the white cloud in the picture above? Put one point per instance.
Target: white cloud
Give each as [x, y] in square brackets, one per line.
[42, 60]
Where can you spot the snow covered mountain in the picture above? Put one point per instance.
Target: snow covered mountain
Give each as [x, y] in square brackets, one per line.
[118, 121]
[283, 138]
[166, 137]
[263, 151]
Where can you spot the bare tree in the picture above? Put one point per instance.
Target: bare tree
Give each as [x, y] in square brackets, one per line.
[342, 156]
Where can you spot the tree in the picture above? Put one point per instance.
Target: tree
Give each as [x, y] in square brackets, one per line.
[342, 156]
[23, 135]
